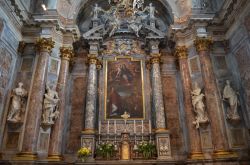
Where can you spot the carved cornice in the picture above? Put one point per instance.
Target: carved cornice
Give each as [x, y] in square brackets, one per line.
[181, 52]
[67, 53]
[45, 44]
[21, 47]
[202, 44]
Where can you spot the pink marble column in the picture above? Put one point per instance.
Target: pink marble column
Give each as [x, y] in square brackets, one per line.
[55, 147]
[213, 100]
[194, 137]
[34, 109]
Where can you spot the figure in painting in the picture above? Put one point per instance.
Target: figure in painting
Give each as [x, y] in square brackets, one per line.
[114, 103]
[199, 107]
[231, 97]
[123, 74]
[50, 106]
[17, 103]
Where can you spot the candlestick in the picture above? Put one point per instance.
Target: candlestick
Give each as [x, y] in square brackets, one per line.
[150, 127]
[108, 128]
[134, 128]
[142, 131]
[115, 126]
[99, 131]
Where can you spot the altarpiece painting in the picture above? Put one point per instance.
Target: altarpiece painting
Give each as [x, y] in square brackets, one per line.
[124, 88]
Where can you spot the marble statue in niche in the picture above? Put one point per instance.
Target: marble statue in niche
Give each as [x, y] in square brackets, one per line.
[50, 106]
[230, 96]
[18, 101]
[199, 107]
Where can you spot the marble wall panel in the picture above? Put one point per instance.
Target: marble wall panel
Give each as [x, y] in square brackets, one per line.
[78, 94]
[172, 111]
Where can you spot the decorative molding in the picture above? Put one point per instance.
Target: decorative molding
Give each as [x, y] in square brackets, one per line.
[45, 44]
[67, 53]
[202, 43]
[181, 52]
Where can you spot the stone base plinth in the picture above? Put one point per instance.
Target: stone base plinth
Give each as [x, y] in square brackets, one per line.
[26, 156]
[163, 144]
[196, 156]
[224, 154]
[55, 158]
[88, 140]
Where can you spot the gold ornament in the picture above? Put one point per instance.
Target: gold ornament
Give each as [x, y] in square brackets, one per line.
[202, 43]
[67, 53]
[45, 44]
[181, 52]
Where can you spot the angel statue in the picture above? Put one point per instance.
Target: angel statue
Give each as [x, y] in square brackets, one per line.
[17, 103]
[231, 97]
[151, 10]
[199, 107]
[97, 10]
[50, 106]
[135, 24]
[138, 4]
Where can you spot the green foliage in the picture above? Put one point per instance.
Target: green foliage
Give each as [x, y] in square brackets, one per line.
[105, 150]
[147, 149]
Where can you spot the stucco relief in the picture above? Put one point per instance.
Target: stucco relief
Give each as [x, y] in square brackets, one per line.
[243, 59]
[5, 64]
[246, 23]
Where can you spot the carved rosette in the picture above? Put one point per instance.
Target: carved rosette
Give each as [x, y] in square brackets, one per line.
[202, 44]
[67, 53]
[181, 52]
[45, 44]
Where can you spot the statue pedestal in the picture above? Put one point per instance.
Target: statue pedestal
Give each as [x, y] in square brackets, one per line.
[88, 141]
[125, 147]
[163, 144]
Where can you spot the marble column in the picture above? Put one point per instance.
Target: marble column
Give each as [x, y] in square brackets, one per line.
[213, 100]
[55, 147]
[34, 107]
[158, 105]
[181, 53]
[91, 95]
[162, 134]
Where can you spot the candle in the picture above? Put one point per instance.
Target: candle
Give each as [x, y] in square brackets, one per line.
[142, 125]
[99, 131]
[108, 128]
[134, 128]
[115, 125]
[150, 128]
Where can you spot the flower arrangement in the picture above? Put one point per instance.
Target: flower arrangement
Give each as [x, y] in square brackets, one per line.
[83, 153]
[147, 149]
[105, 150]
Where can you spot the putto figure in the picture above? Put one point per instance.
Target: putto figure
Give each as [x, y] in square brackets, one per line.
[230, 96]
[50, 106]
[17, 103]
[199, 107]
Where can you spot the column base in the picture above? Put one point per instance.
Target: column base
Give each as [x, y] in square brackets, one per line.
[26, 156]
[163, 144]
[55, 158]
[196, 156]
[220, 154]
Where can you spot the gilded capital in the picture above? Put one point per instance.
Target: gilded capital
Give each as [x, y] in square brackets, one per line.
[66, 53]
[181, 52]
[92, 59]
[202, 44]
[21, 47]
[45, 44]
[155, 58]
